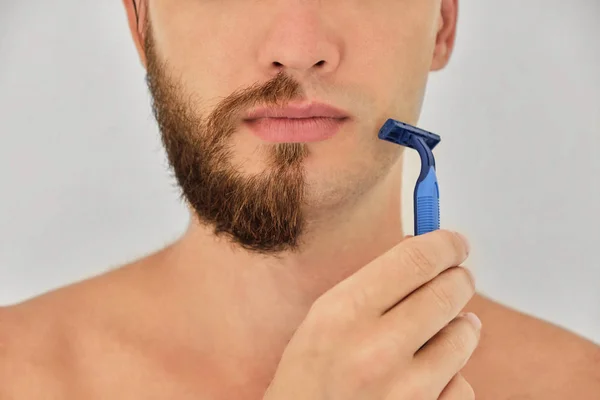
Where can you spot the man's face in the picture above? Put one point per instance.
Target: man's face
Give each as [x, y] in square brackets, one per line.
[211, 62]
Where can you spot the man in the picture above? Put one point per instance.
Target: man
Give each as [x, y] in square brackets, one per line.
[294, 279]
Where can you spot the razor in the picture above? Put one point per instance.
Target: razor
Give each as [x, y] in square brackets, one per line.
[427, 194]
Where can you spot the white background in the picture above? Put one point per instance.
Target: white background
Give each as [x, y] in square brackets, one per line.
[85, 185]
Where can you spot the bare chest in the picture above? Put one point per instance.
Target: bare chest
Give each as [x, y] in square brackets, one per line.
[128, 383]
[125, 374]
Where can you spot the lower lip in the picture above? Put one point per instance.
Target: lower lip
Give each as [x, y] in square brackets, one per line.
[295, 130]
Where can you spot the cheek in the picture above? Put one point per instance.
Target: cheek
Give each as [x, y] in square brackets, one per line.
[191, 40]
[401, 75]
[409, 81]
[392, 59]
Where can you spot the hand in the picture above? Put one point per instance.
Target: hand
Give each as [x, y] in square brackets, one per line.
[391, 331]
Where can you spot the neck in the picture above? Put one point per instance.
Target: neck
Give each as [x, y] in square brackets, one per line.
[256, 302]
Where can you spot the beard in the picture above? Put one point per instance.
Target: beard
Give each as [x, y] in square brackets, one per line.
[262, 213]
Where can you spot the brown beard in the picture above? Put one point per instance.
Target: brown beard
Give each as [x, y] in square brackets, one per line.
[261, 213]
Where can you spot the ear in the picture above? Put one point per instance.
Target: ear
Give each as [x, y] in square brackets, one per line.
[136, 16]
[446, 34]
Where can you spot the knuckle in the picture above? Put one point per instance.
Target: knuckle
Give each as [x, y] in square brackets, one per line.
[413, 385]
[456, 242]
[319, 312]
[322, 326]
[453, 240]
[418, 390]
[462, 341]
[321, 302]
[442, 297]
[457, 343]
[329, 310]
[357, 301]
[422, 261]
[369, 363]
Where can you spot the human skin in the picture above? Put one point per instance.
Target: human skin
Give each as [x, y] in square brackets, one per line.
[207, 318]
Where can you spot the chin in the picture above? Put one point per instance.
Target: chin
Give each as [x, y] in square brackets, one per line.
[342, 169]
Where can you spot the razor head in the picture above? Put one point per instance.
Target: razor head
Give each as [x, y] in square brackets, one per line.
[403, 134]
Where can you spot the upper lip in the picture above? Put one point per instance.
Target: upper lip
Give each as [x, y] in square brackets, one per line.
[306, 110]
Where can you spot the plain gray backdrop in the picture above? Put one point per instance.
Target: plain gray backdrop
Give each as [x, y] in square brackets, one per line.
[85, 184]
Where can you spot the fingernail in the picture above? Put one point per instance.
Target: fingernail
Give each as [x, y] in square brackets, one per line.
[473, 319]
[465, 240]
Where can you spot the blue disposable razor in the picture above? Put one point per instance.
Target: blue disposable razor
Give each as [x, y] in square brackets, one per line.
[427, 194]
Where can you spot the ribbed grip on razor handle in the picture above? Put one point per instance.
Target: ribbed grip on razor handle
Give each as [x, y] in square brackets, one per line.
[427, 204]
[428, 220]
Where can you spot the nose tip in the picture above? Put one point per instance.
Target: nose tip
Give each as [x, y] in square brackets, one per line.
[299, 42]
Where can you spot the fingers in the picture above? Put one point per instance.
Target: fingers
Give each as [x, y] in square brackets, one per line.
[388, 279]
[458, 389]
[446, 353]
[428, 309]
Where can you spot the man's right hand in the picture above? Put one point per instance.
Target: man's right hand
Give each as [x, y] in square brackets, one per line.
[391, 331]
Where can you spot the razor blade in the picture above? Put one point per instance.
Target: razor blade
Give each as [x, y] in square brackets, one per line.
[426, 194]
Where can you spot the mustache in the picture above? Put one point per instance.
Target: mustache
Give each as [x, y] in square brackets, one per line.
[277, 92]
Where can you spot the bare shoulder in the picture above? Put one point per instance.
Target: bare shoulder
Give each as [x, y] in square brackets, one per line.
[524, 357]
[31, 352]
[104, 337]
[42, 339]
[570, 367]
